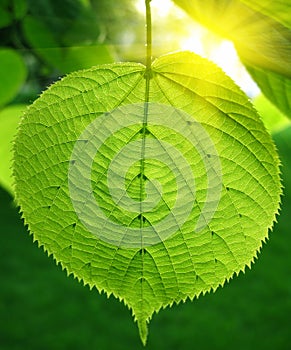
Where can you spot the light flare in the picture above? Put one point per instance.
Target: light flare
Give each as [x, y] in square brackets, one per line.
[160, 8]
[201, 41]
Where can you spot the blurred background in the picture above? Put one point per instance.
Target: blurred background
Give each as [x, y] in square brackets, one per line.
[42, 308]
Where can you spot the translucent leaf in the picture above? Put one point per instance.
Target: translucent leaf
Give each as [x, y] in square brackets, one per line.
[273, 119]
[283, 142]
[12, 74]
[9, 120]
[263, 43]
[276, 88]
[279, 9]
[152, 186]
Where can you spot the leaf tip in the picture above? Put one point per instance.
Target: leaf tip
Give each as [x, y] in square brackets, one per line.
[143, 331]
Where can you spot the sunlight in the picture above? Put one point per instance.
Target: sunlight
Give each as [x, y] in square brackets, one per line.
[161, 8]
[223, 53]
[199, 40]
[194, 42]
[225, 56]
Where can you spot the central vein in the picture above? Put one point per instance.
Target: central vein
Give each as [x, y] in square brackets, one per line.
[142, 324]
[147, 76]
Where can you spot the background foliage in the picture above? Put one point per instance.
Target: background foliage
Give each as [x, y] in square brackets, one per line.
[39, 306]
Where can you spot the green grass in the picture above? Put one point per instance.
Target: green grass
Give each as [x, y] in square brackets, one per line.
[41, 308]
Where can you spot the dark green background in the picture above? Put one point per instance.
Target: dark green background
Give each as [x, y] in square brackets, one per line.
[42, 308]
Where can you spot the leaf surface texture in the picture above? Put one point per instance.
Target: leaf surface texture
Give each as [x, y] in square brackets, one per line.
[189, 262]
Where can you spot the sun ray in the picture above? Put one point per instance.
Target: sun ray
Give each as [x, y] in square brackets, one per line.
[201, 41]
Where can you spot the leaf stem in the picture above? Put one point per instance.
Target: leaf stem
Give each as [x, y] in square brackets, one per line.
[147, 89]
[148, 35]
[147, 77]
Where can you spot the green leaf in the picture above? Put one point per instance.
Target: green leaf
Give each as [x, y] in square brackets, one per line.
[19, 8]
[80, 57]
[10, 10]
[276, 88]
[283, 142]
[152, 186]
[247, 30]
[12, 74]
[280, 10]
[266, 56]
[273, 119]
[5, 15]
[66, 59]
[9, 120]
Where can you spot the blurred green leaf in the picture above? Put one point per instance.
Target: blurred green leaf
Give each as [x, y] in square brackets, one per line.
[87, 29]
[12, 74]
[57, 15]
[10, 10]
[278, 9]
[273, 119]
[65, 59]
[5, 15]
[76, 58]
[9, 120]
[71, 22]
[19, 8]
[283, 142]
[40, 37]
[276, 88]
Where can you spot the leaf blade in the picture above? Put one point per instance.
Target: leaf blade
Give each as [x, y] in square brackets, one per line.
[187, 263]
[279, 10]
[275, 87]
